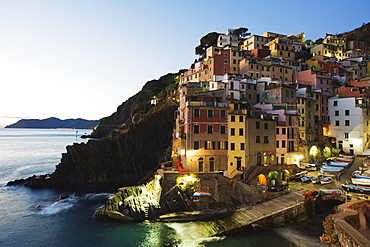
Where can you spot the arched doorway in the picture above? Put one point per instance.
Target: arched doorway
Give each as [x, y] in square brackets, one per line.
[261, 180]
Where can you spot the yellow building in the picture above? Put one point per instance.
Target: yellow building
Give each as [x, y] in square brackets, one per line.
[251, 139]
[281, 47]
[328, 50]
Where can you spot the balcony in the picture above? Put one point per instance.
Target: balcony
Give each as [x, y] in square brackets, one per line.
[206, 104]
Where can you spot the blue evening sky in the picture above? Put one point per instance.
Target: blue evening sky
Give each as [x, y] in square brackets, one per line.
[83, 58]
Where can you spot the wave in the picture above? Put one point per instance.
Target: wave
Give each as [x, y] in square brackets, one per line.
[66, 204]
[298, 238]
[192, 234]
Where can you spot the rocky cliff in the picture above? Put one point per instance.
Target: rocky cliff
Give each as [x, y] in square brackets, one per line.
[139, 144]
[137, 106]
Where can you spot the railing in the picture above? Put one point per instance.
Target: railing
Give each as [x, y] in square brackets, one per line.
[209, 104]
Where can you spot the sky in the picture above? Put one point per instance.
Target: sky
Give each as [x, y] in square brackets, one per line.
[83, 58]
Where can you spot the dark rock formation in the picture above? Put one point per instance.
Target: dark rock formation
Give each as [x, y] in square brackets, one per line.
[118, 161]
[55, 123]
[137, 106]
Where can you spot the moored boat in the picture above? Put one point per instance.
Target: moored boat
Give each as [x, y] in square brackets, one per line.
[347, 156]
[317, 179]
[331, 169]
[342, 160]
[361, 181]
[338, 164]
[306, 178]
[326, 180]
[357, 189]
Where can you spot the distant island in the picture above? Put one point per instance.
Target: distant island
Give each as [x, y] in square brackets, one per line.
[55, 123]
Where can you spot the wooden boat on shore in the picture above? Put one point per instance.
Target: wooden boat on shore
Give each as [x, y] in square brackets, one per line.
[306, 178]
[317, 179]
[347, 156]
[342, 160]
[361, 181]
[331, 169]
[357, 189]
[326, 180]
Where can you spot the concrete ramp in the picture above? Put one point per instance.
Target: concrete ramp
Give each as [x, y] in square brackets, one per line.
[246, 216]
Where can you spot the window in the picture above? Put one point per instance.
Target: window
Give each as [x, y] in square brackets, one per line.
[242, 146]
[346, 135]
[277, 131]
[196, 129]
[258, 139]
[336, 113]
[210, 113]
[223, 113]
[266, 126]
[265, 139]
[200, 164]
[232, 118]
[257, 124]
[337, 123]
[335, 103]
[223, 129]
[232, 146]
[196, 113]
[241, 119]
[241, 131]
[346, 123]
[277, 144]
[210, 129]
[196, 145]
[283, 131]
[232, 131]
[211, 164]
[283, 144]
[225, 61]
[346, 112]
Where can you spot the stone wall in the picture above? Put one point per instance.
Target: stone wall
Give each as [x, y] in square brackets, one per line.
[348, 221]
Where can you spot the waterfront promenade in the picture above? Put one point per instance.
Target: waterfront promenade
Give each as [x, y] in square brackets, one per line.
[248, 215]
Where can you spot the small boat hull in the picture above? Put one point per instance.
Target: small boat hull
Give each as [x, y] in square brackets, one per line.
[357, 189]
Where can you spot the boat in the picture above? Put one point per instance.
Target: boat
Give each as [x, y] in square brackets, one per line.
[328, 174]
[306, 178]
[202, 194]
[309, 166]
[357, 189]
[329, 192]
[361, 181]
[326, 180]
[342, 160]
[317, 179]
[331, 169]
[338, 164]
[297, 176]
[347, 156]
[361, 174]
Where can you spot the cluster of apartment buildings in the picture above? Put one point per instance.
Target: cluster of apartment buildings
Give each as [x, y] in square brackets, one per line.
[257, 102]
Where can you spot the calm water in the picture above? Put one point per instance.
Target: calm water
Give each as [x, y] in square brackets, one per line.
[33, 217]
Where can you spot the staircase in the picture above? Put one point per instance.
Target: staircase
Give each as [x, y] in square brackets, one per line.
[235, 172]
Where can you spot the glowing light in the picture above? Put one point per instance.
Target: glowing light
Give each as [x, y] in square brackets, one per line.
[191, 152]
[314, 151]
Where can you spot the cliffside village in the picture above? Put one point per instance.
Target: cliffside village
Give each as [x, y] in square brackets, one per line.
[253, 102]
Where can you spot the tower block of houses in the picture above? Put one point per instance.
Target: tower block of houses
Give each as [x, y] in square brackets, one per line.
[270, 100]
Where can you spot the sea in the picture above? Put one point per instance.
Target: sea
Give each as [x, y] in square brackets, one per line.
[34, 217]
